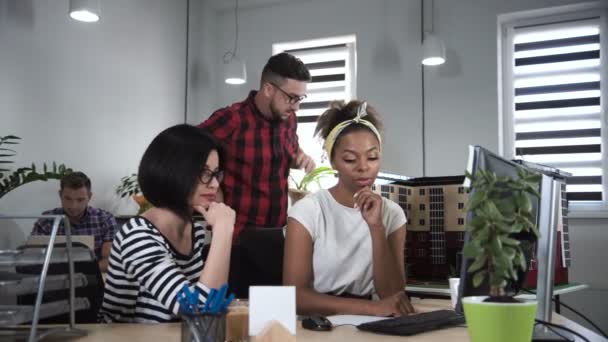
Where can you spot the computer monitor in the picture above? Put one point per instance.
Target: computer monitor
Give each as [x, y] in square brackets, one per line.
[545, 209]
[482, 159]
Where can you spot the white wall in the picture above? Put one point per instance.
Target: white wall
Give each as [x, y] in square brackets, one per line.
[91, 96]
[388, 72]
[461, 95]
[589, 257]
[203, 56]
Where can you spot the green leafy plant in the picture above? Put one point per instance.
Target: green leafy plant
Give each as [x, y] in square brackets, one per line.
[129, 187]
[314, 176]
[12, 179]
[501, 207]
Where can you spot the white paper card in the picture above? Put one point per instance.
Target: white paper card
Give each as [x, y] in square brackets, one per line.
[353, 319]
[272, 303]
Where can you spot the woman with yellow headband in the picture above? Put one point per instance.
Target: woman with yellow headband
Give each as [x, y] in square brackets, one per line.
[344, 246]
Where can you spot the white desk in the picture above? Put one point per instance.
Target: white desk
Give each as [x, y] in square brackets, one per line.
[444, 291]
[172, 332]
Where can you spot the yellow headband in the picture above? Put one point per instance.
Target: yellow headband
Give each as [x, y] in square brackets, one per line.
[333, 135]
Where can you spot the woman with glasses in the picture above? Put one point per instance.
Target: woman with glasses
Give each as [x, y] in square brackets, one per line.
[155, 254]
[344, 246]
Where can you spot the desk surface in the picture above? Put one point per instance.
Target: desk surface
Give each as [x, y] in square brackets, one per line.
[171, 332]
[444, 290]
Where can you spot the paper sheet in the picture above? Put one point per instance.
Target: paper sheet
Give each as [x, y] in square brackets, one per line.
[353, 319]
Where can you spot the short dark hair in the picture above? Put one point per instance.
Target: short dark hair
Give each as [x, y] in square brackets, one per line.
[75, 180]
[282, 66]
[171, 165]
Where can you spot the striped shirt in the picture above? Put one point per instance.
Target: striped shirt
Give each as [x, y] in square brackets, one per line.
[145, 273]
[258, 154]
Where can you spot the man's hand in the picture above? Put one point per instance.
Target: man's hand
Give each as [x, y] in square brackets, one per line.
[304, 161]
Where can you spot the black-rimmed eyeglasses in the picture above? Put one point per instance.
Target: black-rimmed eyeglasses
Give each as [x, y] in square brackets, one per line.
[207, 175]
[292, 99]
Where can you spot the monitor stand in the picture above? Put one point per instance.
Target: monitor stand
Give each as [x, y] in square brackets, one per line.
[542, 333]
[546, 254]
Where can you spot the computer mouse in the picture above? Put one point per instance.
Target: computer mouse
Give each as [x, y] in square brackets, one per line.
[317, 323]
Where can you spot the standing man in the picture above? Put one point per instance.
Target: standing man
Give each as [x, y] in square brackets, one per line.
[261, 143]
[75, 194]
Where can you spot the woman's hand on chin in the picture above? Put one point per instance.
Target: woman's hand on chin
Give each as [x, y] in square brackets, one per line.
[218, 215]
[370, 204]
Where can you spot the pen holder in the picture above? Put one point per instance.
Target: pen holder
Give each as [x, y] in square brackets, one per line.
[204, 327]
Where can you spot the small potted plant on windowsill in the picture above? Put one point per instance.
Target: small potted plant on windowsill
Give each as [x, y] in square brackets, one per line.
[130, 187]
[501, 206]
[299, 189]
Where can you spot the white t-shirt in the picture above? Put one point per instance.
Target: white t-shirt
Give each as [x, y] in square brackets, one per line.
[342, 244]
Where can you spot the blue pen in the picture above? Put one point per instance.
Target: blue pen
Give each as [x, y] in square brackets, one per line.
[217, 304]
[184, 299]
[227, 302]
[210, 298]
[193, 299]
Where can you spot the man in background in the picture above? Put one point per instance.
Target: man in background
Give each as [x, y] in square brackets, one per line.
[75, 195]
[261, 143]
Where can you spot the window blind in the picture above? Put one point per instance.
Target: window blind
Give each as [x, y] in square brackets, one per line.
[332, 67]
[556, 101]
[328, 68]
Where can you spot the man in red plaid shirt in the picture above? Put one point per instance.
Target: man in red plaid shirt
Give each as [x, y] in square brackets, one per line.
[261, 143]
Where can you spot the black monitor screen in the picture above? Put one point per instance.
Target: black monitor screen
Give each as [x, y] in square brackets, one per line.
[482, 159]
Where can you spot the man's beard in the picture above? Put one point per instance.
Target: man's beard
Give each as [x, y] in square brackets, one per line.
[275, 114]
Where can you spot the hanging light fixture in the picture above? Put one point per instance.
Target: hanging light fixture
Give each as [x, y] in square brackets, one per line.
[84, 10]
[234, 69]
[433, 50]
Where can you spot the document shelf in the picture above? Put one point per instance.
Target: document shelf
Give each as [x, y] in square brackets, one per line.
[20, 314]
[16, 284]
[36, 255]
[11, 316]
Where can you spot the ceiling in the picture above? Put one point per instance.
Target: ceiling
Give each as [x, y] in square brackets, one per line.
[224, 5]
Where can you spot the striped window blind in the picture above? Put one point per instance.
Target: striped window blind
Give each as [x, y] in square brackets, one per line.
[556, 92]
[331, 63]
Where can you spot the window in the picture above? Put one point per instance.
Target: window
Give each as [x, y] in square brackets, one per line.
[421, 222]
[422, 206]
[460, 236]
[461, 190]
[460, 205]
[332, 65]
[551, 87]
[460, 221]
[421, 192]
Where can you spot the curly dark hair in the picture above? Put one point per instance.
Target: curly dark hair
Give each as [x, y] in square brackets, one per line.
[338, 112]
[283, 66]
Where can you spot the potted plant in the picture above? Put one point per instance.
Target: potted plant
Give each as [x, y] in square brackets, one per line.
[12, 179]
[130, 187]
[501, 207]
[300, 188]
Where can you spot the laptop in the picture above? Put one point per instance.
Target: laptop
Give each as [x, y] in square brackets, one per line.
[87, 240]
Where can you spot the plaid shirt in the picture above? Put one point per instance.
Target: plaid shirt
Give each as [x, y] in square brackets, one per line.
[99, 223]
[258, 155]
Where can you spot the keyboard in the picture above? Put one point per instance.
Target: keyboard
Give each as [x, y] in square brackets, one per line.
[414, 324]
